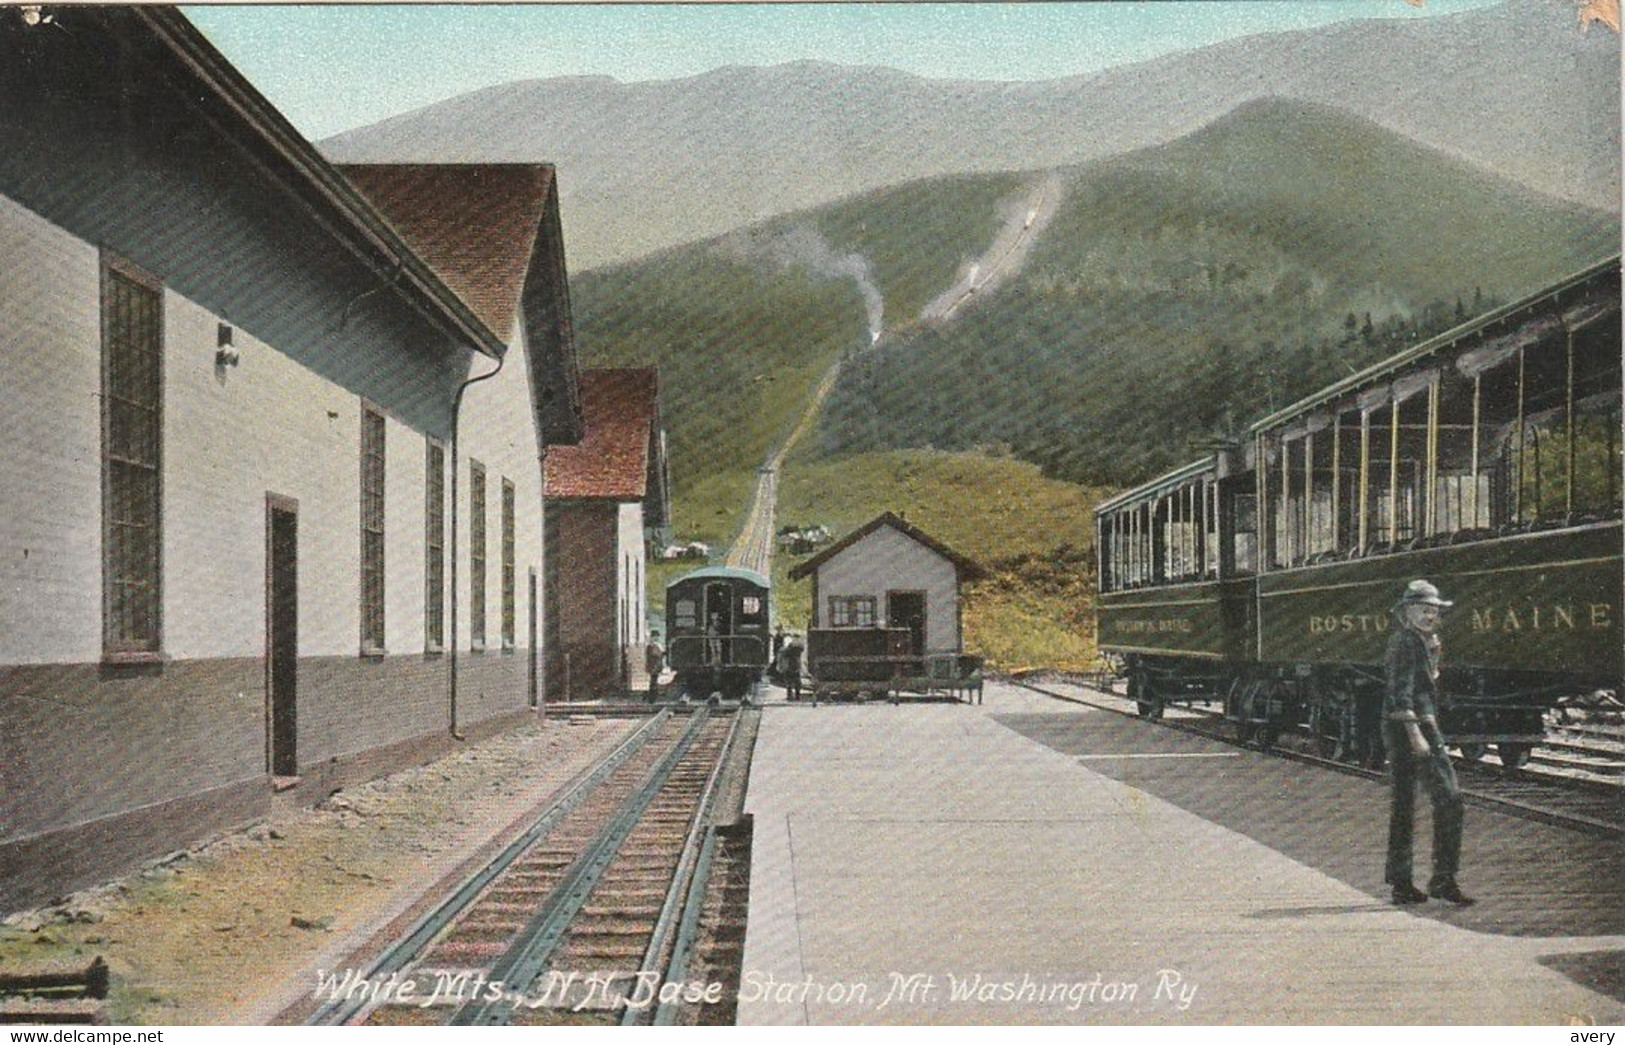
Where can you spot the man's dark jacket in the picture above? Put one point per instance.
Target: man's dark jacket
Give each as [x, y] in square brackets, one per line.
[1411, 688]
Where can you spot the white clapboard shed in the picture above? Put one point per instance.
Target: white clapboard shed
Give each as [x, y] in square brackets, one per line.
[890, 573]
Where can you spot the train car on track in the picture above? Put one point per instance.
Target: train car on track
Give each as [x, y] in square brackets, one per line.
[1486, 460]
[718, 630]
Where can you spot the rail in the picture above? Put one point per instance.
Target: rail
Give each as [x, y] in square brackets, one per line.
[1549, 810]
[530, 953]
[400, 954]
[687, 880]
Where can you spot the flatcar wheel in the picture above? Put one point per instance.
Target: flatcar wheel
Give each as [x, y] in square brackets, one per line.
[1513, 756]
[1266, 736]
[1473, 752]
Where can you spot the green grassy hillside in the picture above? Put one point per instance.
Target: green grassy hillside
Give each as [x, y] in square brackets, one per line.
[1192, 287]
[1033, 535]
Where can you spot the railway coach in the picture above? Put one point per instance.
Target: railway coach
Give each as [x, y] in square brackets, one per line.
[718, 630]
[1486, 460]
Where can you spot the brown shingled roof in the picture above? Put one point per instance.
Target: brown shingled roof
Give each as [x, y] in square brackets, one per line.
[618, 410]
[475, 224]
[968, 569]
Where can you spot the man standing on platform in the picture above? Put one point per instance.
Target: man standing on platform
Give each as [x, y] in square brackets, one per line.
[654, 661]
[1410, 730]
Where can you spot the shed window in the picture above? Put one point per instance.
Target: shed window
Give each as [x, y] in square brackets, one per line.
[476, 553]
[372, 530]
[852, 611]
[132, 457]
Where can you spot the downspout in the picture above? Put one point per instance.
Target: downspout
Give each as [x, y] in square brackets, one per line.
[456, 426]
[538, 655]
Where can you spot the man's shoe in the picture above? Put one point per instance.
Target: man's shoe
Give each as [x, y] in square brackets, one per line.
[1451, 892]
[1408, 894]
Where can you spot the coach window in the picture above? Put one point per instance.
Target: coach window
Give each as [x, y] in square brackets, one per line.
[1175, 537]
[1168, 558]
[1395, 440]
[1135, 572]
[683, 613]
[1280, 481]
[1106, 540]
[1594, 446]
[1460, 489]
[1567, 460]
[1293, 496]
[1111, 538]
[1320, 482]
[1344, 439]
[1244, 531]
[1210, 528]
[1497, 372]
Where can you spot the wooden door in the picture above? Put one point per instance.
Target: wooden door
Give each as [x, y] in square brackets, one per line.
[282, 634]
[906, 609]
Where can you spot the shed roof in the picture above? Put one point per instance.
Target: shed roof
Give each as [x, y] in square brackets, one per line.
[620, 411]
[968, 570]
[475, 223]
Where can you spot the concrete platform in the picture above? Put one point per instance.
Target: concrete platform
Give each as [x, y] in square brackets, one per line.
[1028, 861]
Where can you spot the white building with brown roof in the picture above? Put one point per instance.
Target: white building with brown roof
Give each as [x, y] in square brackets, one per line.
[606, 496]
[890, 573]
[273, 440]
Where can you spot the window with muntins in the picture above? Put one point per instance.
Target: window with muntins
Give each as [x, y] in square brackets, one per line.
[434, 543]
[852, 611]
[476, 553]
[372, 530]
[509, 616]
[132, 460]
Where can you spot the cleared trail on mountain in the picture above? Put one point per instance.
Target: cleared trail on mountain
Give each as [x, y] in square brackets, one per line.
[1027, 216]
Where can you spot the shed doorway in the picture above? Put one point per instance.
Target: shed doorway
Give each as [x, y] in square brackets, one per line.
[906, 609]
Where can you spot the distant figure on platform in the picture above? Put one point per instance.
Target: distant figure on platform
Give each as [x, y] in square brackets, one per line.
[790, 667]
[1410, 730]
[654, 661]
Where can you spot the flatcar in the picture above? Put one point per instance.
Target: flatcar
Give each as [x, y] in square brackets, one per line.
[718, 631]
[1487, 460]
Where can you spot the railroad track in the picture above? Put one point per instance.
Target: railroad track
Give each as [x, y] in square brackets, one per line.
[1591, 808]
[576, 917]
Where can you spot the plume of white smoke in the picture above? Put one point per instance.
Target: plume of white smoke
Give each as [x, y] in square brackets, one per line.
[1023, 218]
[803, 248]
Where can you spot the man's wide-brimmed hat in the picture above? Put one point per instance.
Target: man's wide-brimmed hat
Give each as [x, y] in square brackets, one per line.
[1422, 593]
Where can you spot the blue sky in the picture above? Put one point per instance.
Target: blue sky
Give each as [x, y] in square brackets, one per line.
[330, 68]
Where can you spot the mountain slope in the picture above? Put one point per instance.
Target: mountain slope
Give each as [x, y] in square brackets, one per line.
[1515, 88]
[1193, 286]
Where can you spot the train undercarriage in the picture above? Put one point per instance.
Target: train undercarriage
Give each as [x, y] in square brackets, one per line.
[1339, 707]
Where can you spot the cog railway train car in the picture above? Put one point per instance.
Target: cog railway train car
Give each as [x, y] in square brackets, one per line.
[718, 631]
[1486, 460]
